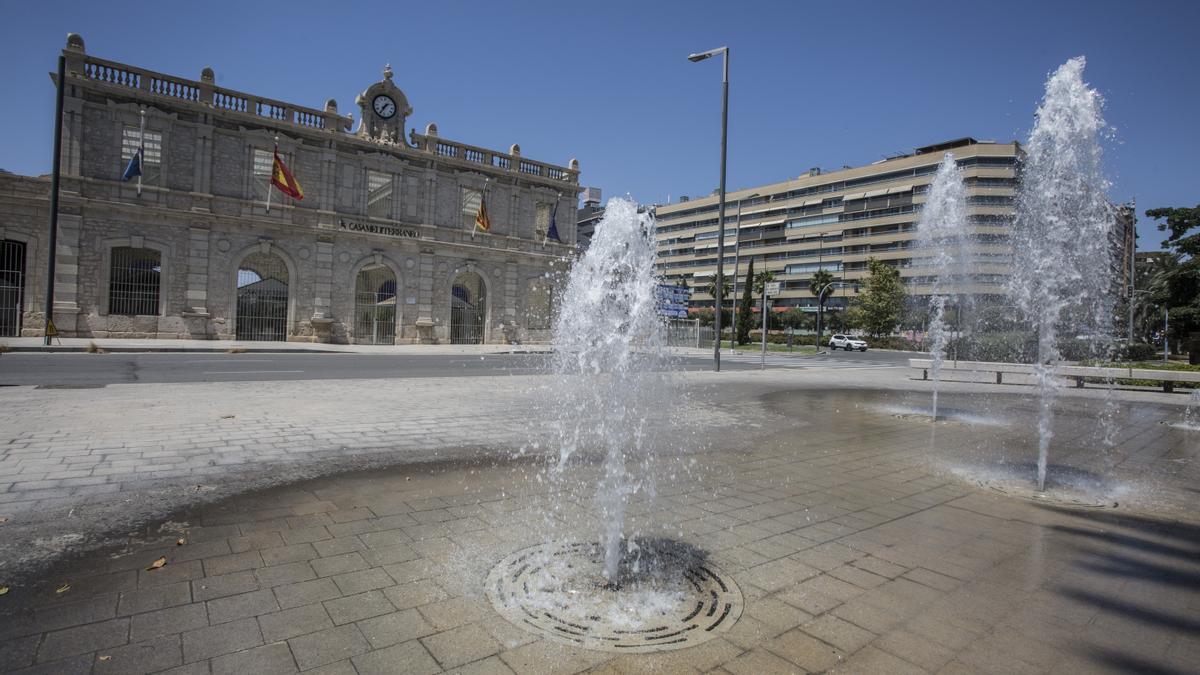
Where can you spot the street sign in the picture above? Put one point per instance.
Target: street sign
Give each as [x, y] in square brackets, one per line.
[773, 287]
[673, 301]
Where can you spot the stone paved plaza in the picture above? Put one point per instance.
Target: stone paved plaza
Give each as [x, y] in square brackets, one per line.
[864, 539]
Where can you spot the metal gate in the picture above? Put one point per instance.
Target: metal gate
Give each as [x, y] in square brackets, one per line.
[375, 306]
[468, 309]
[262, 298]
[12, 286]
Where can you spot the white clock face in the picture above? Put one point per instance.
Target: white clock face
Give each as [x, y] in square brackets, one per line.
[384, 106]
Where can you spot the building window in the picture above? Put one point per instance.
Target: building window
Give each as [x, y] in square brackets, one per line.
[379, 194]
[471, 199]
[133, 138]
[260, 179]
[541, 221]
[135, 278]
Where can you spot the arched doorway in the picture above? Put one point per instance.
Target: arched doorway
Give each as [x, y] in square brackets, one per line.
[12, 286]
[375, 306]
[262, 298]
[468, 309]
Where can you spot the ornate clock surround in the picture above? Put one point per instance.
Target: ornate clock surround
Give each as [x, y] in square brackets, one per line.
[373, 125]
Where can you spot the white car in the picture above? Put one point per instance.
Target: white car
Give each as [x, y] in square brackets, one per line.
[846, 342]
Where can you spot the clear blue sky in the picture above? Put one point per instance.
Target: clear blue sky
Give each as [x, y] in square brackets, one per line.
[813, 84]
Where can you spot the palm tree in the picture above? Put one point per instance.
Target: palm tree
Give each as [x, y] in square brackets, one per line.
[726, 287]
[820, 280]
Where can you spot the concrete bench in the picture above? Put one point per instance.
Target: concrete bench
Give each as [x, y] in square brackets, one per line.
[1168, 378]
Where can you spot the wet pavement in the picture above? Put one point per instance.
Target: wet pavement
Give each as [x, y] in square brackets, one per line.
[862, 537]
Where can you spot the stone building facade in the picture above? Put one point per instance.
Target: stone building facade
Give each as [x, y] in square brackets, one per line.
[381, 249]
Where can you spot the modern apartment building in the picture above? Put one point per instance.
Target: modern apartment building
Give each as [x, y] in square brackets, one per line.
[838, 220]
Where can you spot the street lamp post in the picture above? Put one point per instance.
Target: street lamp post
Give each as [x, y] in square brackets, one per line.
[724, 52]
[821, 304]
[737, 248]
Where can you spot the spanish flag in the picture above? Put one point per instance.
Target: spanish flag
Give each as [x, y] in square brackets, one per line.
[481, 218]
[284, 180]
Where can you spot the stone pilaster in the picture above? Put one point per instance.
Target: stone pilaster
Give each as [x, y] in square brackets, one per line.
[424, 322]
[323, 273]
[197, 271]
[66, 273]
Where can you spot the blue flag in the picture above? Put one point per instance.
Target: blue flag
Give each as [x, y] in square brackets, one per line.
[552, 232]
[135, 166]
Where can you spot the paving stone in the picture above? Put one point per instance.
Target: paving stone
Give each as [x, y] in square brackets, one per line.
[241, 606]
[288, 554]
[455, 612]
[149, 599]
[915, 649]
[210, 588]
[292, 622]
[328, 646]
[279, 575]
[366, 580]
[872, 661]
[329, 548]
[414, 594]
[142, 657]
[461, 645]
[339, 564]
[18, 652]
[83, 639]
[408, 658]
[758, 662]
[306, 592]
[76, 665]
[167, 621]
[838, 632]
[237, 562]
[358, 607]
[272, 659]
[492, 665]
[226, 638]
[805, 651]
[881, 567]
[169, 574]
[389, 629]
[255, 542]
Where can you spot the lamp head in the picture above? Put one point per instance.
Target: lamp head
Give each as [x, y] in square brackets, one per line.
[705, 55]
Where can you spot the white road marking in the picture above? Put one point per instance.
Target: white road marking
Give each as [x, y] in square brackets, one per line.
[247, 372]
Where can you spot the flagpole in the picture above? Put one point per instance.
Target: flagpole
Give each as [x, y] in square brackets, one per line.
[553, 212]
[271, 179]
[141, 150]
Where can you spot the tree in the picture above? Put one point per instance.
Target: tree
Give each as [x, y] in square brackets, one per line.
[820, 280]
[883, 302]
[711, 286]
[1175, 286]
[745, 318]
[796, 318]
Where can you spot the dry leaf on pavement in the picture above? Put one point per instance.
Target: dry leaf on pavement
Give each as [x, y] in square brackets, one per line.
[66, 586]
[180, 541]
[3, 590]
[162, 560]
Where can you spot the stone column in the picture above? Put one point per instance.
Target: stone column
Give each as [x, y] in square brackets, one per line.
[66, 274]
[196, 317]
[322, 322]
[424, 322]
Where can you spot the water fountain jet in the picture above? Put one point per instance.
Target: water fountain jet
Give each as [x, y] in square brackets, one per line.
[1061, 233]
[942, 230]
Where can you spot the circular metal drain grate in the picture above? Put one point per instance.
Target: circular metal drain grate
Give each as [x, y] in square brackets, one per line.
[669, 597]
[1051, 496]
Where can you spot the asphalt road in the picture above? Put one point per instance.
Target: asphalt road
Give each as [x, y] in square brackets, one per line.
[86, 370]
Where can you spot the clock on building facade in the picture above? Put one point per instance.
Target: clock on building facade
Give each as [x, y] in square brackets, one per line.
[384, 110]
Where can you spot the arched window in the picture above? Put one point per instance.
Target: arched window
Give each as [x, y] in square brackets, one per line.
[262, 298]
[375, 306]
[135, 281]
[468, 309]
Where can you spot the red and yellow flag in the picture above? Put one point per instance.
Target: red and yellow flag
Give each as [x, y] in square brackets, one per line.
[284, 180]
[481, 218]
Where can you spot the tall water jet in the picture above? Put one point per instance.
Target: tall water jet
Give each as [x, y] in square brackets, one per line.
[942, 232]
[1061, 233]
[609, 347]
